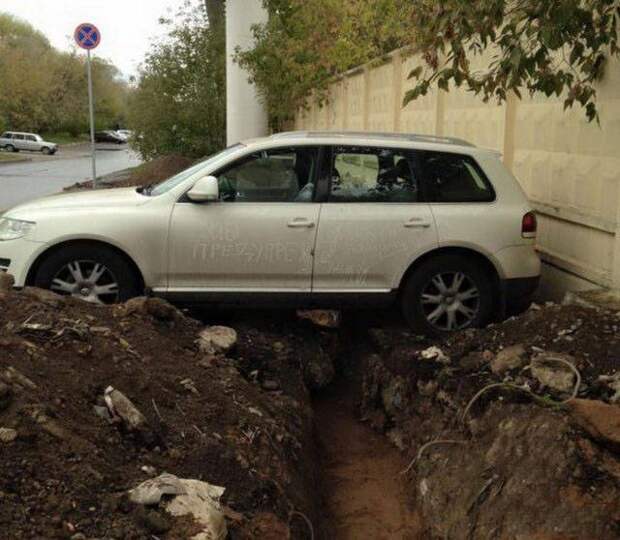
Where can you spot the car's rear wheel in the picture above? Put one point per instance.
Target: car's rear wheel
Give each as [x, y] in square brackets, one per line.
[96, 274]
[446, 294]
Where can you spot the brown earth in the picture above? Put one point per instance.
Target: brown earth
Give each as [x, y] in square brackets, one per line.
[520, 465]
[363, 492]
[68, 470]
[293, 466]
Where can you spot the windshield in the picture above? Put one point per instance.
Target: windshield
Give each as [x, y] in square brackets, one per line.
[177, 179]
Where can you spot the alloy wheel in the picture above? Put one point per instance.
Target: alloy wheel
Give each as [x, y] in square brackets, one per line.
[88, 280]
[450, 301]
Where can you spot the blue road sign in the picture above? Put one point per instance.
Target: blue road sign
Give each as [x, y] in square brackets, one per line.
[87, 36]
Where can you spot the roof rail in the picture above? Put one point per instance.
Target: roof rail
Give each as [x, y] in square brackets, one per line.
[413, 137]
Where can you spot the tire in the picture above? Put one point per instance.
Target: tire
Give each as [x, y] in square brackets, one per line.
[429, 310]
[10, 148]
[47, 151]
[58, 273]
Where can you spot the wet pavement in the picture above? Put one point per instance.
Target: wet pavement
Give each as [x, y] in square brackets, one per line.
[45, 175]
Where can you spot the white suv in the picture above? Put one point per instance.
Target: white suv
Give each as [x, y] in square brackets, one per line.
[304, 218]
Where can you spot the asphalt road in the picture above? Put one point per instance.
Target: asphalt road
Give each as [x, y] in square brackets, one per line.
[24, 181]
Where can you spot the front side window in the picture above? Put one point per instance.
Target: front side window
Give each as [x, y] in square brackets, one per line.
[18, 137]
[452, 178]
[279, 175]
[361, 174]
[31, 138]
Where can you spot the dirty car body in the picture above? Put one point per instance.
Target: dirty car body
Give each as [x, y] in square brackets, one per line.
[436, 224]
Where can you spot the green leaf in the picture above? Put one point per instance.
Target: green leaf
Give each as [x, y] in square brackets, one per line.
[415, 73]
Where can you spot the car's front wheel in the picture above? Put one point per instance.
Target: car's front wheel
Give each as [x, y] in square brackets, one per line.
[46, 150]
[11, 148]
[96, 274]
[448, 293]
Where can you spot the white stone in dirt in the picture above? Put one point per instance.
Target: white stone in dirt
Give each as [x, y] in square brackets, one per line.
[7, 435]
[436, 354]
[120, 406]
[217, 339]
[553, 374]
[325, 318]
[191, 497]
[512, 357]
[613, 382]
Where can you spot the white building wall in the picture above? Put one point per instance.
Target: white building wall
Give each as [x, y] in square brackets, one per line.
[246, 116]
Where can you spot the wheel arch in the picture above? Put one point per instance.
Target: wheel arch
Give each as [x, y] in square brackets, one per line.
[466, 252]
[34, 267]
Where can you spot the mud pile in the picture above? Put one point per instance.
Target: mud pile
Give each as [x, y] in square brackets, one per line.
[512, 431]
[95, 400]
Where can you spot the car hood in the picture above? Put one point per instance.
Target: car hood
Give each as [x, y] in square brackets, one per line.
[100, 198]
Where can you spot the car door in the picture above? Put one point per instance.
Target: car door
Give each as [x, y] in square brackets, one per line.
[259, 236]
[373, 224]
[19, 142]
[30, 143]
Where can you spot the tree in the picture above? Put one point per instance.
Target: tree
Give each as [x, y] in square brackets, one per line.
[305, 44]
[179, 105]
[554, 47]
[42, 89]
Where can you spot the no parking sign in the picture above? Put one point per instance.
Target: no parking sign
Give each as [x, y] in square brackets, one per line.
[88, 37]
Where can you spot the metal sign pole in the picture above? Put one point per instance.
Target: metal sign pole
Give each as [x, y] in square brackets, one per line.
[91, 109]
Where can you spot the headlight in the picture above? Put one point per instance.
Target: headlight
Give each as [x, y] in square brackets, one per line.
[11, 229]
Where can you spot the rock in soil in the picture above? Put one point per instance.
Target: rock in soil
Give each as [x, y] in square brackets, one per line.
[513, 357]
[325, 318]
[550, 371]
[217, 339]
[601, 421]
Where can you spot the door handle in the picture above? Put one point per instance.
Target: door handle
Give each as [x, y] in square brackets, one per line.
[417, 223]
[300, 223]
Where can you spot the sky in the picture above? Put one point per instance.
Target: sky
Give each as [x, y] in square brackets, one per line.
[127, 27]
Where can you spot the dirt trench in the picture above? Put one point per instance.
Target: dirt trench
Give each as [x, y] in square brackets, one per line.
[362, 490]
[363, 494]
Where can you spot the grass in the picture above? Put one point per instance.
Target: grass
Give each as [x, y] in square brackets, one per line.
[65, 138]
[6, 156]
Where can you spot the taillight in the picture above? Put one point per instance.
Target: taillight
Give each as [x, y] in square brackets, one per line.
[529, 225]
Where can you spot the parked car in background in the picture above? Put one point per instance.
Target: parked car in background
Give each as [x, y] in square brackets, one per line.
[433, 224]
[109, 136]
[16, 141]
[127, 133]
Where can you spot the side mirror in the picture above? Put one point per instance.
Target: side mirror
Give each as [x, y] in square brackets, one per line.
[206, 189]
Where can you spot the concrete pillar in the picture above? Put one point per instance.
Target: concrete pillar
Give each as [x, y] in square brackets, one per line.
[246, 116]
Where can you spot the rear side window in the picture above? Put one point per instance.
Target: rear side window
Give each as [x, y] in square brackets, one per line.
[366, 174]
[5, 136]
[454, 178]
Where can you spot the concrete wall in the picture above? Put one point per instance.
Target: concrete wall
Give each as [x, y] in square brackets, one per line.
[246, 115]
[570, 169]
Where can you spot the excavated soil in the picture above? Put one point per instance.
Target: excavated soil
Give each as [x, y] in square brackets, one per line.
[363, 492]
[348, 461]
[209, 418]
[523, 463]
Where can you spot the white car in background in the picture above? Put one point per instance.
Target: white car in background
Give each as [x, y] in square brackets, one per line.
[308, 219]
[125, 133]
[16, 141]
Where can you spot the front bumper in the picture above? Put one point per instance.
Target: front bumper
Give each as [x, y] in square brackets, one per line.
[18, 256]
